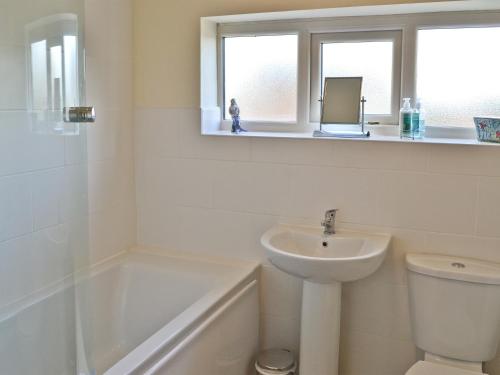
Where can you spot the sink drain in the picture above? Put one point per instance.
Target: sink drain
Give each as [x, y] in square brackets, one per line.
[458, 265]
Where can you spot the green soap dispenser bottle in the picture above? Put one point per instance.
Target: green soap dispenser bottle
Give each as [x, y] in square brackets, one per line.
[405, 119]
[418, 120]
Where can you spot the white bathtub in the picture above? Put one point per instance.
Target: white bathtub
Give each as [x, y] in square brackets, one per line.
[144, 313]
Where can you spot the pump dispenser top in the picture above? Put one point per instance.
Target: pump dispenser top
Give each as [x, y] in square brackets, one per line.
[407, 104]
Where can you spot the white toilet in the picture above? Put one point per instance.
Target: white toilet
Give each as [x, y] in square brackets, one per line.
[455, 313]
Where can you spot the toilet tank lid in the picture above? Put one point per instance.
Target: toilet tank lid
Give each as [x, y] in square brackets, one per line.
[455, 268]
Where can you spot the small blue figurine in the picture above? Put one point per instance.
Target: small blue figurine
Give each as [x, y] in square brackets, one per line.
[234, 111]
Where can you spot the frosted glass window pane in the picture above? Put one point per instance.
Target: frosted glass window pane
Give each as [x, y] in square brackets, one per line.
[39, 74]
[371, 60]
[56, 76]
[458, 75]
[261, 74]
[70, 71]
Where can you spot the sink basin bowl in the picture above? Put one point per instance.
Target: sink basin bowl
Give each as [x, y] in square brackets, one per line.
[307, 253]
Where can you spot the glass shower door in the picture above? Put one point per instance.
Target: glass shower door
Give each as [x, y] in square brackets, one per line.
[44, 252]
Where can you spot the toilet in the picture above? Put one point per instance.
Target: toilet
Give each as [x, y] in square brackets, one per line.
[455, 313]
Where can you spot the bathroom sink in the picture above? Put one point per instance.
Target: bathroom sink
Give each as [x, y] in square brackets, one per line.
[307, 253]
[324, 262]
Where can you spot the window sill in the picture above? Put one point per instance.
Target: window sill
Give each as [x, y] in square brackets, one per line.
[375, 137]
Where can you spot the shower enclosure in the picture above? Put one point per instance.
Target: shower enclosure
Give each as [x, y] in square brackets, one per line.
[43, 190]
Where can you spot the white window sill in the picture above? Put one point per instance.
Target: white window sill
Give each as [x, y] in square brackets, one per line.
[211, 125]
[376, 136]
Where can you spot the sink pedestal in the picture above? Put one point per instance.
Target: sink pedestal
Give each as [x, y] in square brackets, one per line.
[320, 328]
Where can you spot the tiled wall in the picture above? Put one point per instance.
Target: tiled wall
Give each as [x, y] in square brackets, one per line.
[218, 195]
[108, 42]
[50, 196]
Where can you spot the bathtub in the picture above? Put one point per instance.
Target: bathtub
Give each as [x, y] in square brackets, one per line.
[143, 312]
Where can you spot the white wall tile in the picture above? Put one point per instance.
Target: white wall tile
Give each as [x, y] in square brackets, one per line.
[104, 135]
[159, 226]
[22, 149]
[488, 213]
[437, 203]
[14, 256]
[223, 233]
[279, 332]
[486, 248]
[157, 133]
[251, 187]
[102, 182]
[281, 294]
[366, 307]
[75, 149]
[47, 197]
[156, 183]
[13, 76]
[125, 222]
[362, 353]
[464, 160]
[51, 257]
[29, 262]
[316, 189]
[397, 156]
[156, 196]
[194, 145]
[16, 209]
[194, 182]
[75, 201]
[292, 151]
[111, 231]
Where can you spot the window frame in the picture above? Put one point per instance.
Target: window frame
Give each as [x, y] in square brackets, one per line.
[317, 41]
[407, 24]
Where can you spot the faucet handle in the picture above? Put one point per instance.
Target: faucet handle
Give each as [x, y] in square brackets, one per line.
[329, 222]
[329, 216]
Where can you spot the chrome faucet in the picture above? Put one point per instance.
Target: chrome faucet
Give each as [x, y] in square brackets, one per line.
[329, 222]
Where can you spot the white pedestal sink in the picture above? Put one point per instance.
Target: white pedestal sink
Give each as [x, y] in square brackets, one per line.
[323, 262]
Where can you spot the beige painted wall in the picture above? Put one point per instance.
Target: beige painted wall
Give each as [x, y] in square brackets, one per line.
[167, 42]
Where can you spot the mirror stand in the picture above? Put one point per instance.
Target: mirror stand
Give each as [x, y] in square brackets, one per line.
[345, 134]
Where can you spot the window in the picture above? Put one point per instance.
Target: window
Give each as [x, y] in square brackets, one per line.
[458, 75]
[261, 73]
[39, 74]
[375, 56]
[275, 69]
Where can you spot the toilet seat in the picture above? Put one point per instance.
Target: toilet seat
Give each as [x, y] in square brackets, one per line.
[429, 368]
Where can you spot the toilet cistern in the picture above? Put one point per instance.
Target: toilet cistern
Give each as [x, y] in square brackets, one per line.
[455, 312]
[329, 222]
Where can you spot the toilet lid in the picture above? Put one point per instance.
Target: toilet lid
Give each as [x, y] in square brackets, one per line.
[429, 368]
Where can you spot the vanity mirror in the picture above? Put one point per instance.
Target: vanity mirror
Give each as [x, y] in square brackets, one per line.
[342, 104]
